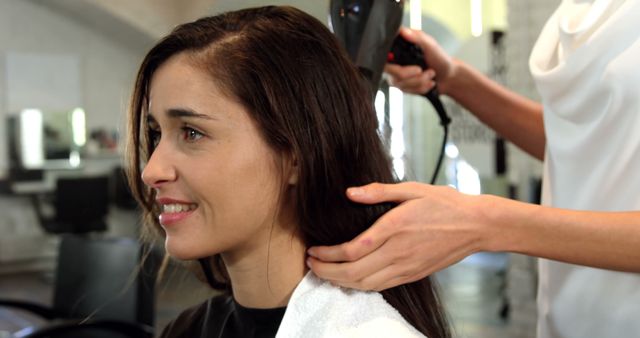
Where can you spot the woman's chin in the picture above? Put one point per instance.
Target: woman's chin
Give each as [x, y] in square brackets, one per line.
[190, 249]
[181, 251]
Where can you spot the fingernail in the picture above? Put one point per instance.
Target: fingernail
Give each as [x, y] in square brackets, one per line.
[311, 252]
[355, 191]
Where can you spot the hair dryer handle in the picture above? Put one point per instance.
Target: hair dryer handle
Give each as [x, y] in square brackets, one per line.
[405, 53]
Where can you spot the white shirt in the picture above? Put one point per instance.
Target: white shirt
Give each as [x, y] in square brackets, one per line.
[318, 309]
[586, 65]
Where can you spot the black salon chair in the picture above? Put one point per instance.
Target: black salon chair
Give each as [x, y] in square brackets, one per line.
[122, 196]
[103, 288]
[81, 205]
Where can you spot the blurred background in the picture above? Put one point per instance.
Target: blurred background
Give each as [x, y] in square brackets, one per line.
[66, 71]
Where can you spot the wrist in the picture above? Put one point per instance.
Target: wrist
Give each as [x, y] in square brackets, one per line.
[508, 225]
[492, 213]
[448, 83]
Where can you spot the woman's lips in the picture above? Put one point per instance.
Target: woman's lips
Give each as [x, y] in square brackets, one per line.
[170, 218]
[174, 211]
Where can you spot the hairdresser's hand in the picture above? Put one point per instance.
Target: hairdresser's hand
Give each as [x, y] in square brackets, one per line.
[411, 79]
[432, 228]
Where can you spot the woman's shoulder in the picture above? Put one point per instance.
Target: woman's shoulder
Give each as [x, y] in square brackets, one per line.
[197, 320]
[318, 306]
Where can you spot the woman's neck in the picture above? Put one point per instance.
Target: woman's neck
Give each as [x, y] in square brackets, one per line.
[266, 275]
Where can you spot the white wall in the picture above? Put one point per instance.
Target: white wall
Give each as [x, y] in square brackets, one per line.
[106, 66]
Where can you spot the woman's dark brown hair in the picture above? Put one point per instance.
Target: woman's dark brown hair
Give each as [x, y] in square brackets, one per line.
[309, 101]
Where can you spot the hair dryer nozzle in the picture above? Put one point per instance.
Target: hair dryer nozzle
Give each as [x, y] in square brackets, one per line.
[366, 29]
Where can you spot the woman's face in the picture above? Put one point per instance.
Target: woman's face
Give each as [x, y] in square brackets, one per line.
[215, 178]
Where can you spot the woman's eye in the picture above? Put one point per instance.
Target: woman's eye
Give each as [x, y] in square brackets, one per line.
[191, 134]
[154, 137]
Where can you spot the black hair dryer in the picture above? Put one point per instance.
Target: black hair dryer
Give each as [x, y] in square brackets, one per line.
[366, 28]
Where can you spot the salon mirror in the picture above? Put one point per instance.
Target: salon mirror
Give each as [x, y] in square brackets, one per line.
[47, 140]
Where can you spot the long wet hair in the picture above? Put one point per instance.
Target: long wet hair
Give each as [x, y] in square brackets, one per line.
[309, 102]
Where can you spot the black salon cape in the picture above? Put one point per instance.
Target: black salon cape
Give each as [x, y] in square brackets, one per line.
[223, 317]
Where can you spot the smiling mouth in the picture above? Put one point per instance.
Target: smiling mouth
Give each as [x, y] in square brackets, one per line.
[173, 213]
[177, 207]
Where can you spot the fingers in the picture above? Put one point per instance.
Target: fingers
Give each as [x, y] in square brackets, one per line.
[349, 272]
[353, 250]
[411, 79]
[420, 84]
[419, 38]
[357, 258]
[410, 35]
[367, 273]
[378, 192]
[383, 256]
[386, 278]
[400, 73]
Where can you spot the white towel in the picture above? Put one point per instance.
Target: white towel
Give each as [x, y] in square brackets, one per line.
[319, 309]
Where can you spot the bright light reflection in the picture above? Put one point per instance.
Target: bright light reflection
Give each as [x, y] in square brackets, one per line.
[31, 138]
[415, 14]
[78, 126]
[396, 118]
[398, 167]
[397, 145]
[396, 121]
[476, 17]
[451, 150]
[74, 159]
[379, 103]
[468, 178]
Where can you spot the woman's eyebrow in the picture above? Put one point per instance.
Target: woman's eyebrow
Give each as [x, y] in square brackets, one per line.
[185, 112]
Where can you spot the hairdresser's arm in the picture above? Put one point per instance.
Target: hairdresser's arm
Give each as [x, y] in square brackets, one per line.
[513, 116]
[436, 226]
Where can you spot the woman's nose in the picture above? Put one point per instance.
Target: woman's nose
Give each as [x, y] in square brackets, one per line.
[158, 170]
